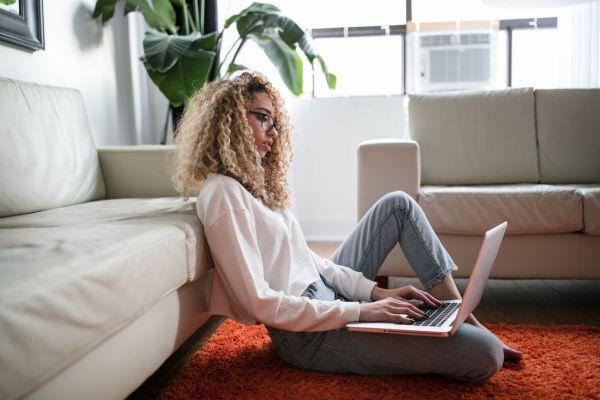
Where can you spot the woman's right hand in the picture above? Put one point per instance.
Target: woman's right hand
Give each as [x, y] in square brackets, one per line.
[390, 310]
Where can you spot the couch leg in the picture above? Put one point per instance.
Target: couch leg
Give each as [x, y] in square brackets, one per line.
[382, 282]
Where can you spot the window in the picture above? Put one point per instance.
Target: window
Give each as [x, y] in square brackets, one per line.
[463, 44]
[532, 64]
[538, 47]
[362, 45]
[364, 65]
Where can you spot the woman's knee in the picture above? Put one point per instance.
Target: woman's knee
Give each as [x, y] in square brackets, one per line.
[487, 357]
[397, 198]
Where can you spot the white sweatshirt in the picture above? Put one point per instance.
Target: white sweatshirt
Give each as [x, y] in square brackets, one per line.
[263, 264]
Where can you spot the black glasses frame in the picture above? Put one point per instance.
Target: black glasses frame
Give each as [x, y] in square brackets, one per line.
[264, 119]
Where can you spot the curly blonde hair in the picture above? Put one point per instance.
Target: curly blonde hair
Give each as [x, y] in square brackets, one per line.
[213, 135]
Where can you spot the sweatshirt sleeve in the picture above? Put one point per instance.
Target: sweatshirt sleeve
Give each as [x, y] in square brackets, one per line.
[352, 284]
[235, 252]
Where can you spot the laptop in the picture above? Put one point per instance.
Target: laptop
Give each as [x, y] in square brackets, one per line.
[447, 318]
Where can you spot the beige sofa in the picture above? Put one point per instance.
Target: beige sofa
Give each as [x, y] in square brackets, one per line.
[102, 266]
[475, 159]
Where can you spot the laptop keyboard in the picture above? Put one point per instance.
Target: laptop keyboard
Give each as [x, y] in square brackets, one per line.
[436, 316]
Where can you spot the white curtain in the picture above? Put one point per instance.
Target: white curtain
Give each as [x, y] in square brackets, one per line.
[580, 43]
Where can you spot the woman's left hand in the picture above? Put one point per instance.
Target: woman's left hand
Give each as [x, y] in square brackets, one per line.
[405, 293]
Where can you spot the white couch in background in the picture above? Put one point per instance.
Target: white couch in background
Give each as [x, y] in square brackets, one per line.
[475, 159]
[102, 265]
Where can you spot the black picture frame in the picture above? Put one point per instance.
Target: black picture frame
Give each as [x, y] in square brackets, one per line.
[27, 28]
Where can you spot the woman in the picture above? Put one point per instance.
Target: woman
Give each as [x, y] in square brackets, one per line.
[233, 149]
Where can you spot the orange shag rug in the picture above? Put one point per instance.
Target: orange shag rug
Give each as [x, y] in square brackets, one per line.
[560, 361]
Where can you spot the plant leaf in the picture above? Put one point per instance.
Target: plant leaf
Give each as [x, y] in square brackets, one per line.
[235, 67]
[260, 8]
[159, 14]
[205, 42]
[286, 60]
[162, 51]
[331, 78]
[164, 9]
[250, 23]
[7, 2]
[289, 31]
[106, 8]
[187, 75]
[308, 50]
[130, 6]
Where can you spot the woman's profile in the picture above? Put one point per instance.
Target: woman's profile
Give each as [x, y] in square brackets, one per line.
[233, 150]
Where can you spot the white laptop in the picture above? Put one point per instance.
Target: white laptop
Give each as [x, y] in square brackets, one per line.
[446, 319]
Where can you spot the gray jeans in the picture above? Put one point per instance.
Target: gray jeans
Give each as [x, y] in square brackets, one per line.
[472, 354]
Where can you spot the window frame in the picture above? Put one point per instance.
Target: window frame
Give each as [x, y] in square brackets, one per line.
[363, 31]
[509, 25]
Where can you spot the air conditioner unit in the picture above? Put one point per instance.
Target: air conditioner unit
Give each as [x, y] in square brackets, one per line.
[454, 61]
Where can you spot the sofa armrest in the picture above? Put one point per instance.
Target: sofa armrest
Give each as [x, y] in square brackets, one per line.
[136, 171]
[387, 165]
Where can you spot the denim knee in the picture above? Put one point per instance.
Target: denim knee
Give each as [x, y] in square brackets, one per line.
[488, 360]
[490, 364]
[397, 198]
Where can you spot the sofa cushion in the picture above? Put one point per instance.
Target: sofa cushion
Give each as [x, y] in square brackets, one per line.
[568, 127]
[66, 289]
[591, 207]
[480, 137]
[47, 158]
[528, 208]
[165, 211]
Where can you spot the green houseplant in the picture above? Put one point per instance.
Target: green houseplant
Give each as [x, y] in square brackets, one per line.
[179, 59]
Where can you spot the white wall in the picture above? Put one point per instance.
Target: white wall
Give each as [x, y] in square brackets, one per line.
[81, 53]
[150, 106]
[324, 171]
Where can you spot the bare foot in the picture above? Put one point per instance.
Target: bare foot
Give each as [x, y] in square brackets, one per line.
[510, 354]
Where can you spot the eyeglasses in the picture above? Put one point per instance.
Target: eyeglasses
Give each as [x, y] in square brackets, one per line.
[266, 121]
